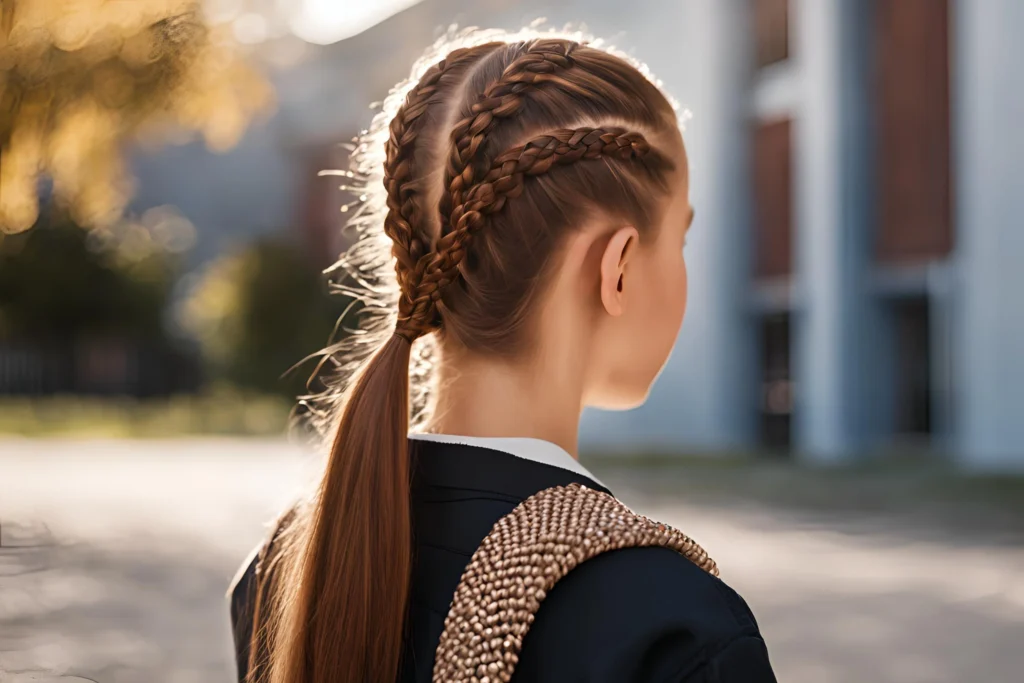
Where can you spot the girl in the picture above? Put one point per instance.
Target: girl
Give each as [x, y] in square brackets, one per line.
[536, 196]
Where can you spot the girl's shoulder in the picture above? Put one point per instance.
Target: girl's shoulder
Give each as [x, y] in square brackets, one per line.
[244, 593]
[643, 614]
[574, 585]
[254, 564]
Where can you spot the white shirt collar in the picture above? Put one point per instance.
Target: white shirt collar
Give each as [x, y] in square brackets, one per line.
[527, 448]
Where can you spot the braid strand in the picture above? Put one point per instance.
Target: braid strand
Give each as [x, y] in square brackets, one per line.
[504, 181]
[502, 99]
[403, 222]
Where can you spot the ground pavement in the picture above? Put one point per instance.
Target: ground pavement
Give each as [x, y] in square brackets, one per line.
[115, 558]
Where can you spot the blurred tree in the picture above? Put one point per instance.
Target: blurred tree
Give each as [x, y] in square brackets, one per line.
[59, 282]
[259, 311]
[78, 78]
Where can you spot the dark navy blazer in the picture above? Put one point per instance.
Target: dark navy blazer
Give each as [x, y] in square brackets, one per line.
[639, 614]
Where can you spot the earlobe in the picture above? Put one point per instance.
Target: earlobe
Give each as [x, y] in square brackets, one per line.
[617, 254]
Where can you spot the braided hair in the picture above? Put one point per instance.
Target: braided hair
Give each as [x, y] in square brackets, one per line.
[505, 180]
[487, 160]
[403, 222]
[502, 99]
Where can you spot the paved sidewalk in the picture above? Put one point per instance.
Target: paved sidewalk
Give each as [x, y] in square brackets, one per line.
[117, 554]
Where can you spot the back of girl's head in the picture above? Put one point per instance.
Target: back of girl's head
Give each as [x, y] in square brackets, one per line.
[515, 94]
[477, 169]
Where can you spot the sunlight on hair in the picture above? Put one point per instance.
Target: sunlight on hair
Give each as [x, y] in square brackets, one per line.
[366, 271]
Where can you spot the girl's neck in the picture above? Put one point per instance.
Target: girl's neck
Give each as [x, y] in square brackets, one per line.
[490, 398]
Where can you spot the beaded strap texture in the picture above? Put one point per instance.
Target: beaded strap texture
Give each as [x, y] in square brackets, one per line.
[521, 559]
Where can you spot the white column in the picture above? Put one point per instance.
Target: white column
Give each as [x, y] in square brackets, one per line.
[989, 149]
[706, 397]
[720, 375]
[831, 155]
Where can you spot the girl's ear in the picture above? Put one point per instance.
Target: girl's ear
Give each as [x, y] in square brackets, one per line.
[616, 255]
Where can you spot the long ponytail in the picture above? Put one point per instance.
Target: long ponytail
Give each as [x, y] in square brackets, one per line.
[348, 610]
[339, 580]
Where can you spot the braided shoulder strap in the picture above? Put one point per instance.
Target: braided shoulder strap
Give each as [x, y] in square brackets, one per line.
[521, 559]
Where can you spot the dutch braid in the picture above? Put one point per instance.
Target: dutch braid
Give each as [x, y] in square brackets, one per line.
[505, 180]
[502, 99]
[403, 222]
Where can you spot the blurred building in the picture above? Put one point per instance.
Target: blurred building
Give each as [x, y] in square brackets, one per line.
[861, 165]
[856, 165]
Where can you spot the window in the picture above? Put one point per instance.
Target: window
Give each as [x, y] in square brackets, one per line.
[913, 377]
[771, 26]
[913, 145]
[776, 382]
[773, 211]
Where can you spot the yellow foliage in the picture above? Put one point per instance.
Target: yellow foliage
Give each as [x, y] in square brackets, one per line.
[79, 78]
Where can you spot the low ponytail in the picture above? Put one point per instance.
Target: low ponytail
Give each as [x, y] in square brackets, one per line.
[344, 622]
[338, 581]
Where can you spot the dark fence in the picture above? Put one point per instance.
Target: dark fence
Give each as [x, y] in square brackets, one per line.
[106, 367]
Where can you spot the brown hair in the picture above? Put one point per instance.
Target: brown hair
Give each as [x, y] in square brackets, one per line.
[492, 156]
